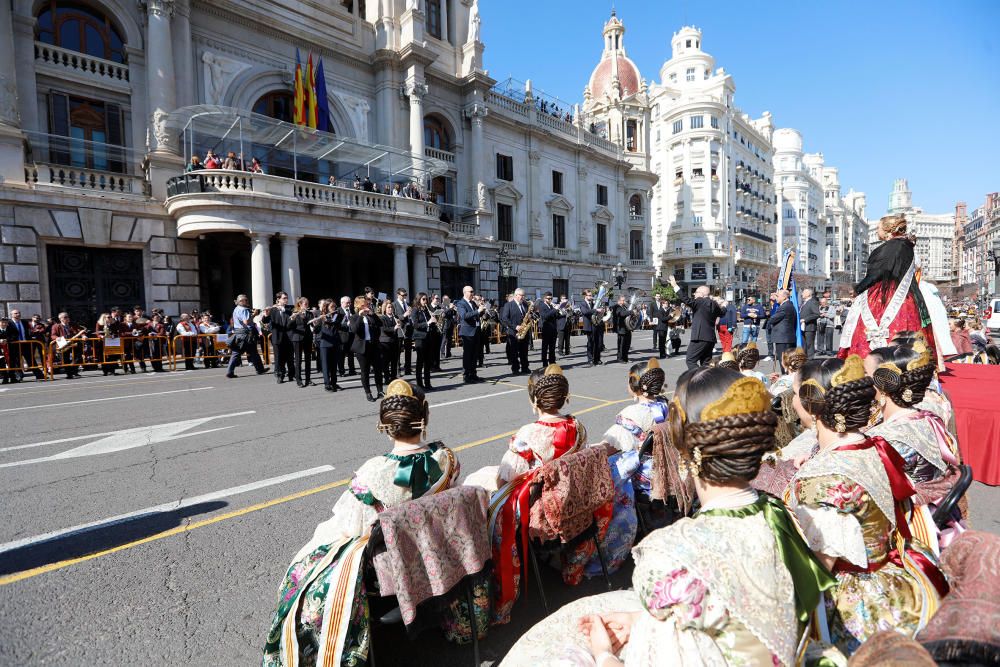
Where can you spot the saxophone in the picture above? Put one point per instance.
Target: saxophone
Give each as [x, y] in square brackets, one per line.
[524, 328]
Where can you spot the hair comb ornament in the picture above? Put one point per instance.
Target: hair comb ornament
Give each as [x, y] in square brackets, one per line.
[840, 423]
[750, 346]
[399, 388]
[553, 369]
[652, 363]
[746, 395]
[908, 395]
[696, 458]
[852, 371]
[676, 405]
[923, 360]
[814, 384]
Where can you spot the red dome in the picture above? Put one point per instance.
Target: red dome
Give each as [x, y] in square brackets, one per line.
[628, 77]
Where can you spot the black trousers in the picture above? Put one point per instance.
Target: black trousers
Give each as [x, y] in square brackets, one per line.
[389, 354]
[518, 353]
[367, 361]
[595, 343]
[328, 364]
[407, 355]
[469, 357]
[699, 352]
[809, 343]
[432, 350]
[548, 348]
[563, 340]
[344, 354]
[283, 365]
[448, 340]
[425, 360]
[302, 352]
[624, 344]
[660, 342]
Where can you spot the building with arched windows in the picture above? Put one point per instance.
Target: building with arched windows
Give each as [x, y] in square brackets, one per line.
[105, 103]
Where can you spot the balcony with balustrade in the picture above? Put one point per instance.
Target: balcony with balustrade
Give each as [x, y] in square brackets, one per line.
[80, 67]
[55, 163]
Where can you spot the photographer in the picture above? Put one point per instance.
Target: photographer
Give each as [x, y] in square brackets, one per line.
[244, 338]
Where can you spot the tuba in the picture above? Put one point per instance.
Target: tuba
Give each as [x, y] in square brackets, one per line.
[524, 328]
[602, 297]
[634, 319]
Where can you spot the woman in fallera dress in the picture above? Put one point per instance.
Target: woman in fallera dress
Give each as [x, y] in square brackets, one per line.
[322, 615]
[853, 502]
[701, 597]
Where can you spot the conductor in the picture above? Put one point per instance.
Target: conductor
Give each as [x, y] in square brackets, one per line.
[705, 309]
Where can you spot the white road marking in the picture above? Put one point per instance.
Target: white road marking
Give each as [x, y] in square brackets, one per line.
[165, 507]
[99, 400]
[142, 436]
[475, 398]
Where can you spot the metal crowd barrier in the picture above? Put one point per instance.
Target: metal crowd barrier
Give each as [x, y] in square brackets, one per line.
[217, 344]
[29, 355]
[81, 352]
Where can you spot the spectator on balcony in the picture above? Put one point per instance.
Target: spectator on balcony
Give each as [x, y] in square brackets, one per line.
[367, 185]
[212, 160]
[257, 168]
[357, 182]
[231, 162]
[397, 191]
[194, 165]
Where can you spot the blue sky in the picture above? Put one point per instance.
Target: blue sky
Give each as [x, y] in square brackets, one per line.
[884, 89]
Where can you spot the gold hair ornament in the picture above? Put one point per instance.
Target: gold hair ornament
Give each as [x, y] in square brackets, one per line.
[840, 422]
[399, 388]
[923, 360]
[852, 371]
[553, 369]
[676, 405]
[696, 458]
[746, 395]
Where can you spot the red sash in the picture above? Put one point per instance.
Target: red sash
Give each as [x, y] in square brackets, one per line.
[563, 440]
[902, 490]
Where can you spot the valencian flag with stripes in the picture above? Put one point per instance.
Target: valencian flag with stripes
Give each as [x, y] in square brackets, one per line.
[786, 281]
[311, 95]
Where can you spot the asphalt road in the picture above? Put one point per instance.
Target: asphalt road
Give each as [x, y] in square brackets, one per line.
[149, 519]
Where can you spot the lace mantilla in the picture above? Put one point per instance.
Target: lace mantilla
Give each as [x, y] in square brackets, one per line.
[911, 431]
[863, 466]
[748, 574]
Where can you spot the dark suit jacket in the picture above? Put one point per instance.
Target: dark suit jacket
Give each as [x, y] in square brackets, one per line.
[280, 320]
[399, 311]
[704, 312]
[468, 318]
[548, 317]
[809, 313]
[587, 312]
[358, 330]
[562, 317]
[619, 314]
[344, 328]
[511, 316]
[661, 313]
[329, 332]
[298, 327]
[781, 325]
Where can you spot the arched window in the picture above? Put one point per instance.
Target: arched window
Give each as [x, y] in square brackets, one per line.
[635, 205]
[77, 27]
[277, 104]
[436, 134]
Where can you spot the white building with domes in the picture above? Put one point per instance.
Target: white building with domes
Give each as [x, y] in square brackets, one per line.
[714, 206]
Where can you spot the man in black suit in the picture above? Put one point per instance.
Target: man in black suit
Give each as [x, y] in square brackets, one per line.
[660, 312]
[705, 310]
[781, 326]
[619, 315]
[468, 329]
[511, 317]
[594, 332]
[548, 324]
[809, 314]
[346, 337]
[401, 309]
[564, 325]
[279, 317]
[365, 328]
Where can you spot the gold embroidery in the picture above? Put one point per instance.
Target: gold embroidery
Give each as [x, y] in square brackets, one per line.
[853, 370]
[744, 396]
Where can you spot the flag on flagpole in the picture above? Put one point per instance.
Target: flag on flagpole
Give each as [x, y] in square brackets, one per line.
[322, 101]
[298, 113]
[786, 281]
[311, 95]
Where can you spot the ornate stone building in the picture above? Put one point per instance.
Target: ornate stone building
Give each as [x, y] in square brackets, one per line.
[104, 102]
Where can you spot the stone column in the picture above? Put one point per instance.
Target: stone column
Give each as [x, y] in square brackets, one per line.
[160, 79]
[400, 271]
[24, 45]
[260, 270]
[291, 281]
[416, 92]
[477, 114]
[11, 151]
[419, 269]
[183, 64]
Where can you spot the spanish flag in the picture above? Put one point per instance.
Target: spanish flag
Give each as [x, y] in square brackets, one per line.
[311, 111]
[299, 112]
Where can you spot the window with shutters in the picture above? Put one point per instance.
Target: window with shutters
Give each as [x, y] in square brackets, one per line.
[93, 133]
[505, 222]
[602, 195]
[602, 239]
[557, 182]
[505, 167]
[558, 231]
[560, 288]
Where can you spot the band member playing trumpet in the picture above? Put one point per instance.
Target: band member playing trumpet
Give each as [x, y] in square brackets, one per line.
[300, 336]
[328, 345]
[548, 325]
[388, 342]
[512, 317]
[426, 339]
[594, 332]
[402, 311]
[619, 314]
[365, 328]
[277, 317]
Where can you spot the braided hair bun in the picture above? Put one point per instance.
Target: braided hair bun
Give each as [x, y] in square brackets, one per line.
[548, 388]
[646, 379]
[722, 423]
[904, 374]
[747, 355]
[793, 359]
[404, 411]
[837, 393]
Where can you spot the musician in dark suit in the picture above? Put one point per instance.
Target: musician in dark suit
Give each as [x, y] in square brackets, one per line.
[401, 309]
[705, 310]
[277, 316]
[450, 320]
[365, 327]
[594, 332]
[549, 318]
[468, 329]
[300, 337]
[809, 315]
[388, 342]
[511, 317]
[781, 326]
[346, 338]
[661, 313]
[619, 317]
[564, 325]
[328, 343]
[426, 339]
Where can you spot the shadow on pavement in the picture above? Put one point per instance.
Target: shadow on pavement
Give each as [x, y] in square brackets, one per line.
[99, 538]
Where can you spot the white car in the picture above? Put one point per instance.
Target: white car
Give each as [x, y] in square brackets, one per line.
[993, 324]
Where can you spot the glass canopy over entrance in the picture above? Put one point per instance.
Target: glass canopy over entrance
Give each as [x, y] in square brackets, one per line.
[295, 151]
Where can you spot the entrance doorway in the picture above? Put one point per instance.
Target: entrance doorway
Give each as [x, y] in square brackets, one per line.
[85, 282]
[454, 278]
